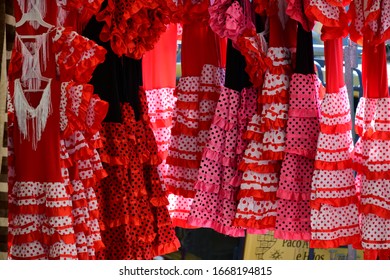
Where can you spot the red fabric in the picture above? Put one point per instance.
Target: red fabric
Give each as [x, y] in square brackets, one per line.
[195, 54]
[134, 27]
[47, 154]
[375, 71]
[159, 64]
[334, 65]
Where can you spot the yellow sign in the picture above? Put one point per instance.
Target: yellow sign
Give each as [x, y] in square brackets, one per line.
[266, 247]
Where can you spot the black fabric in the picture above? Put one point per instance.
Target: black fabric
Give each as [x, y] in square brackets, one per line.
[236, 77]
[305, 53]
[117, 79]
[208, 244]
[260, 23]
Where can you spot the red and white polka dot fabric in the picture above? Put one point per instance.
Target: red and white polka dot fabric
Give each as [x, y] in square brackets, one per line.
[267, 134]
[370, 20]
[371, 162]
[195, 108]
[161, 103]
[334, 203]
[332, 14]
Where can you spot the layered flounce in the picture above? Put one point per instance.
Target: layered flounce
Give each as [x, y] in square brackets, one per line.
[370, 20]
[371, 163]
[78, 13]
[133, 28]
[218, 180]
[293, 213]
[195, 107]
[333, 17]
[228, 20]
[296, 10]
[262, 159]
[76, 56]
[161, 105]
[254, 48]
[59, 220]
[134, 216]
[334, 202]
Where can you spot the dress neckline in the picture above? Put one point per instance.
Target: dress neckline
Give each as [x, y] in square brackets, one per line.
[32, 120]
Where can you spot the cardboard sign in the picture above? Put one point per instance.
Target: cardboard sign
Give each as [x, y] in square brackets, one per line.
[266, 247]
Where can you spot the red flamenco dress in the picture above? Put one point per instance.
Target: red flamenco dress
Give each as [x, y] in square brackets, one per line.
[134, 218]
[203, 74]
[257, 208]
[53, 135]
[334, 202]
[293, 206]
[372, 125]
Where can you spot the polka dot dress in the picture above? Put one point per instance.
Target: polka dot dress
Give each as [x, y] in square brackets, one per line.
[59, 219]
[218, 179]
[334, 210]
[134, 215]
[296, 10]
[261, 162]
[196, 102]
[293, 206]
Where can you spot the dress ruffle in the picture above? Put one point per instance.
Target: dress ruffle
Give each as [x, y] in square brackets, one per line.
[296, 10]
[371, 21]
[254, 48]
[77, 56]
[215, 202]
[134, 27]
[333, 17]
[179, 209]
[293, 219]
[227, 19]
[133, 203]
[257, 207]
[191, 128]
[371, 163]
[79, 12]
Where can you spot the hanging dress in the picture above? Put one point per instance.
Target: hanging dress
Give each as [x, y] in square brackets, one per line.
[133, 208]
[334, 202]
[198, 90]
[262, 160]
[218, 181]
[53, 209]
[293, 209]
